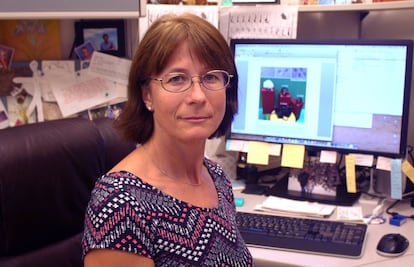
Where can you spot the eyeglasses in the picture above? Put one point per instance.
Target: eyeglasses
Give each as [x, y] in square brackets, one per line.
[177, 82]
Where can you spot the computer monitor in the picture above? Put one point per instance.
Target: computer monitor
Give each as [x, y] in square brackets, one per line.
[342, 95]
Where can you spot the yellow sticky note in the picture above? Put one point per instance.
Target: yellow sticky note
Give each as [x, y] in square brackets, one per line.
[293, 156]
[408, 170]
[258, 153]
[350, 173]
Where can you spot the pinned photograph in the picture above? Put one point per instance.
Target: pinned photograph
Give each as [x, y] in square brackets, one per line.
[107, 111]
[6, 57]
[85, 51]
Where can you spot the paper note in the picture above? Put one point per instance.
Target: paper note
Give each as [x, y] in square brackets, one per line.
[396, 179]
[363, 160]
[328, 156]
[109, 67]
[349, 213]
[278, 204]
[258, 153]
[408, 170]
[75, 93]
[265, 21]
[52, 69]
[274, 149]
[208, 12]
[384, 163]
[350, 173]
[293, 156]
[237, 145]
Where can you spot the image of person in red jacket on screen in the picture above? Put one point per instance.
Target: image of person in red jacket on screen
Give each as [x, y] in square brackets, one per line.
[297, 104]
[268, 97]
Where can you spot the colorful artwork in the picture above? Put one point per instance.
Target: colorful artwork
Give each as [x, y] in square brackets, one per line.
[32, 39]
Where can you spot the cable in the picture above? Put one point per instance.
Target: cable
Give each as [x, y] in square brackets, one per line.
[392, 205]
[410, 153]
[396, 214]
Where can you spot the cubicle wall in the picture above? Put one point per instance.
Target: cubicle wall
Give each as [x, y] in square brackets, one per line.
[70, 5]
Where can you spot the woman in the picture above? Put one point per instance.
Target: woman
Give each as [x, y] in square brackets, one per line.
[165, 204]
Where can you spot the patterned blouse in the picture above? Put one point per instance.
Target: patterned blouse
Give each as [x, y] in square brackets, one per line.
[127, 214]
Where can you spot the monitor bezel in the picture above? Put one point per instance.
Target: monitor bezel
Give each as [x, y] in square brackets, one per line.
[401, 153]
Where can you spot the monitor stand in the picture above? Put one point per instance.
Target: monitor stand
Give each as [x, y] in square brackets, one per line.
[341, 198]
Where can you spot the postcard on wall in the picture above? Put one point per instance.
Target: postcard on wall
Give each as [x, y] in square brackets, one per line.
[32, 39]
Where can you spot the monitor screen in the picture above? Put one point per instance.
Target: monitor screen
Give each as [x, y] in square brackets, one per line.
[343, 95]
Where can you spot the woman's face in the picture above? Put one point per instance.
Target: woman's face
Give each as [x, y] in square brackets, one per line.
[190, 115]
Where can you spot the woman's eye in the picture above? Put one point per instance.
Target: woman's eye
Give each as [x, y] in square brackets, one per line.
[211, 78]
[177, 78]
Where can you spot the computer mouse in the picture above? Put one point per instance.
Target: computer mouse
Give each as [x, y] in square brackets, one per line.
[392, 245]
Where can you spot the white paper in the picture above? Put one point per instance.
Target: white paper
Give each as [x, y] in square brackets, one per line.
[384, 163]
[260, 21]
[109, 67]
[53, 69]
[273, 203]
[275, 149]
[349, 213]
[363, 160]
[77, 92]
[328, 156]
[210, 13]
[237, 145]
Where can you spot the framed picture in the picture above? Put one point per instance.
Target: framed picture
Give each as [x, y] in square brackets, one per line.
[106, 36]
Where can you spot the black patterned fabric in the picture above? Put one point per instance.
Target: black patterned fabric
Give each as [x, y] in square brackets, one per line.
[128, 214]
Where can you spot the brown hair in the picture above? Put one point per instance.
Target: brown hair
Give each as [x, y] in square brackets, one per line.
[153, 53]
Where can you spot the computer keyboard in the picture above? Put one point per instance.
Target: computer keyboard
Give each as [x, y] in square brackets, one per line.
[315, 236]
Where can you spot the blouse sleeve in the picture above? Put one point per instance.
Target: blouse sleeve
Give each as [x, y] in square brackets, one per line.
[113, 219]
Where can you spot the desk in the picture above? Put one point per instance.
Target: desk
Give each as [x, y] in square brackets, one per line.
[271, 258]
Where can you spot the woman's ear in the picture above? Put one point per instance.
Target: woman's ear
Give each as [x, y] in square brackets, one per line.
[147, 98]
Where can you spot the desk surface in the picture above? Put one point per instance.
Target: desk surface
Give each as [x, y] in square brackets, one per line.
[270, 257]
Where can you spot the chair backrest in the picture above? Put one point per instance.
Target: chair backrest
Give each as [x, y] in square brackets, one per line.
[47, 171]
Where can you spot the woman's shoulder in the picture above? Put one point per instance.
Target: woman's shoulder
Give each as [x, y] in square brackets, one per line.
[122, 190]
[221, 179]
[118, 178]
[114, 185]
[213, 166]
